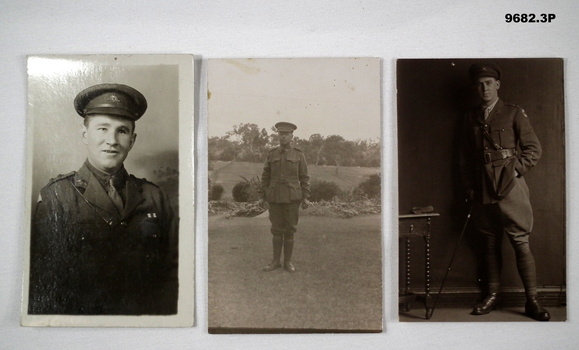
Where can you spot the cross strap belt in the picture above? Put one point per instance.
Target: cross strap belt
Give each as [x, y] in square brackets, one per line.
[490, 156]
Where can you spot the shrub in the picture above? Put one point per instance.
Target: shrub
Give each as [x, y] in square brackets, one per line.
[216, 192]
[209, 189]
[246, 190]
[324, 190]
[239, 192]
[370, 188]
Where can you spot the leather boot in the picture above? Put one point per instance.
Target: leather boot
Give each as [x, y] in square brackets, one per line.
[277, 243]
[288, 248]
[534, 310]
[486, 306]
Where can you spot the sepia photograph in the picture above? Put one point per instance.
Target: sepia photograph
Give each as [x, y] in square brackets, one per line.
[294, 195]
[482, 215]
[110, 191]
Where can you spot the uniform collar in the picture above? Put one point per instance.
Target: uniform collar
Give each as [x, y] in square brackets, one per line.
[119, 178]
[93, 191]
[496, 110]
[491, 106]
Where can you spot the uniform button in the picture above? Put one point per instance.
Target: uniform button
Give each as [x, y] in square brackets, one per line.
[503, 129]
[124, 223]
[486, 147]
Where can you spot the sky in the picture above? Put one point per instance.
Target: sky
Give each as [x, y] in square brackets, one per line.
[328, 96]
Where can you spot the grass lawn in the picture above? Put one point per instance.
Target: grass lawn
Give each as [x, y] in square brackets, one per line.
[337, 285]
[227, 174]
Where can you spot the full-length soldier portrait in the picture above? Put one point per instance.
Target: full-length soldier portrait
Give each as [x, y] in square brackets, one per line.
[104, 242]
[291, 194]
[285, 187]
[499, 147]
[485, 150]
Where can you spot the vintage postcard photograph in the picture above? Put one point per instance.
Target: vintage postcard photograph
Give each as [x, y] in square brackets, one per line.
[109, 224]
[482, 215]
[294, 195]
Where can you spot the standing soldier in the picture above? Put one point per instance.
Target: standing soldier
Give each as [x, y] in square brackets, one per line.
[499, 147]
[284, 185]
[104, 242]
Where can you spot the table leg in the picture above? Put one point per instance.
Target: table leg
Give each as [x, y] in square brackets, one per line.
[407, 278]
[427, 299]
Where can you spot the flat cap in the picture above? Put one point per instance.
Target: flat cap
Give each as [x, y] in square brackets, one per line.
[285, 126]
[111, 99]
[479, 70]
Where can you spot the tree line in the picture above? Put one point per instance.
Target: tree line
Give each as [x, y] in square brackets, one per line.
[248, 142]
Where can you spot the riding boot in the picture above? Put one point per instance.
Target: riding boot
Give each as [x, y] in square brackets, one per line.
[288, 248]
[277, 242]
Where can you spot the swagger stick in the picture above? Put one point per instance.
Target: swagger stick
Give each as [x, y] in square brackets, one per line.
[451, 261]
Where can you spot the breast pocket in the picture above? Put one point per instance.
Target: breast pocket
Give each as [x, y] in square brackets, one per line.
[150, 233]
[507, 136]
[291, 166]
[275, 164]
[503, 134]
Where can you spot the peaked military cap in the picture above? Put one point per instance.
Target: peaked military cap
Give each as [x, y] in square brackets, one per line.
[489, 69]
[111, 99]
[285, 126]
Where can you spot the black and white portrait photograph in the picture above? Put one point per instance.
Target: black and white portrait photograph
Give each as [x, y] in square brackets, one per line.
[294, 195]
[482, 215]
[109, 243]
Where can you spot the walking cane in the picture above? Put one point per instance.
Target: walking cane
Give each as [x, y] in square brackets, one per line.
[451, 261]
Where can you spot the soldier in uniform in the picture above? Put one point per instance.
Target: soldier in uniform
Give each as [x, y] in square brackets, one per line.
[284, 185]
[104, 242]
[499, 147]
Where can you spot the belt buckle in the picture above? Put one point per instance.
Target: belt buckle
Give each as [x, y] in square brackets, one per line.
[507, 153]
[487, 157]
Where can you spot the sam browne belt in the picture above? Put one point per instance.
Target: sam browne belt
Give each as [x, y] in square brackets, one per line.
[490, 156]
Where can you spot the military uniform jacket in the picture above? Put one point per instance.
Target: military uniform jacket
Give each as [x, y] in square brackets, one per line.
[510, 128]
[87, 258]
[285, 176]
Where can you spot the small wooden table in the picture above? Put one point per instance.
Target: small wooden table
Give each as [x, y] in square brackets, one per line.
[412, 226]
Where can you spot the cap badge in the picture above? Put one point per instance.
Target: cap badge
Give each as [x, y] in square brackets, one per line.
[113, 98]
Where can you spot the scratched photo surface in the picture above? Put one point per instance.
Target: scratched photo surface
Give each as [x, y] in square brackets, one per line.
[103, 245]
[280, 131]
[447, 264]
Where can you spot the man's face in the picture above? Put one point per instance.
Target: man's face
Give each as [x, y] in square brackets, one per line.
[108, 140]
[285, 137]
[488, 88]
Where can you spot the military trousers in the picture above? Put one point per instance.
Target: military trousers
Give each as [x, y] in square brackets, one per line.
[284, 219]
[513, 217]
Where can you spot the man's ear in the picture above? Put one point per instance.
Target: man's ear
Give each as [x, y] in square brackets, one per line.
[133, 139]
[83, 132]
[498, 84]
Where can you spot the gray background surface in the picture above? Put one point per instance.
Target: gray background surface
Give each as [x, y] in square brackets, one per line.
[221, 29]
